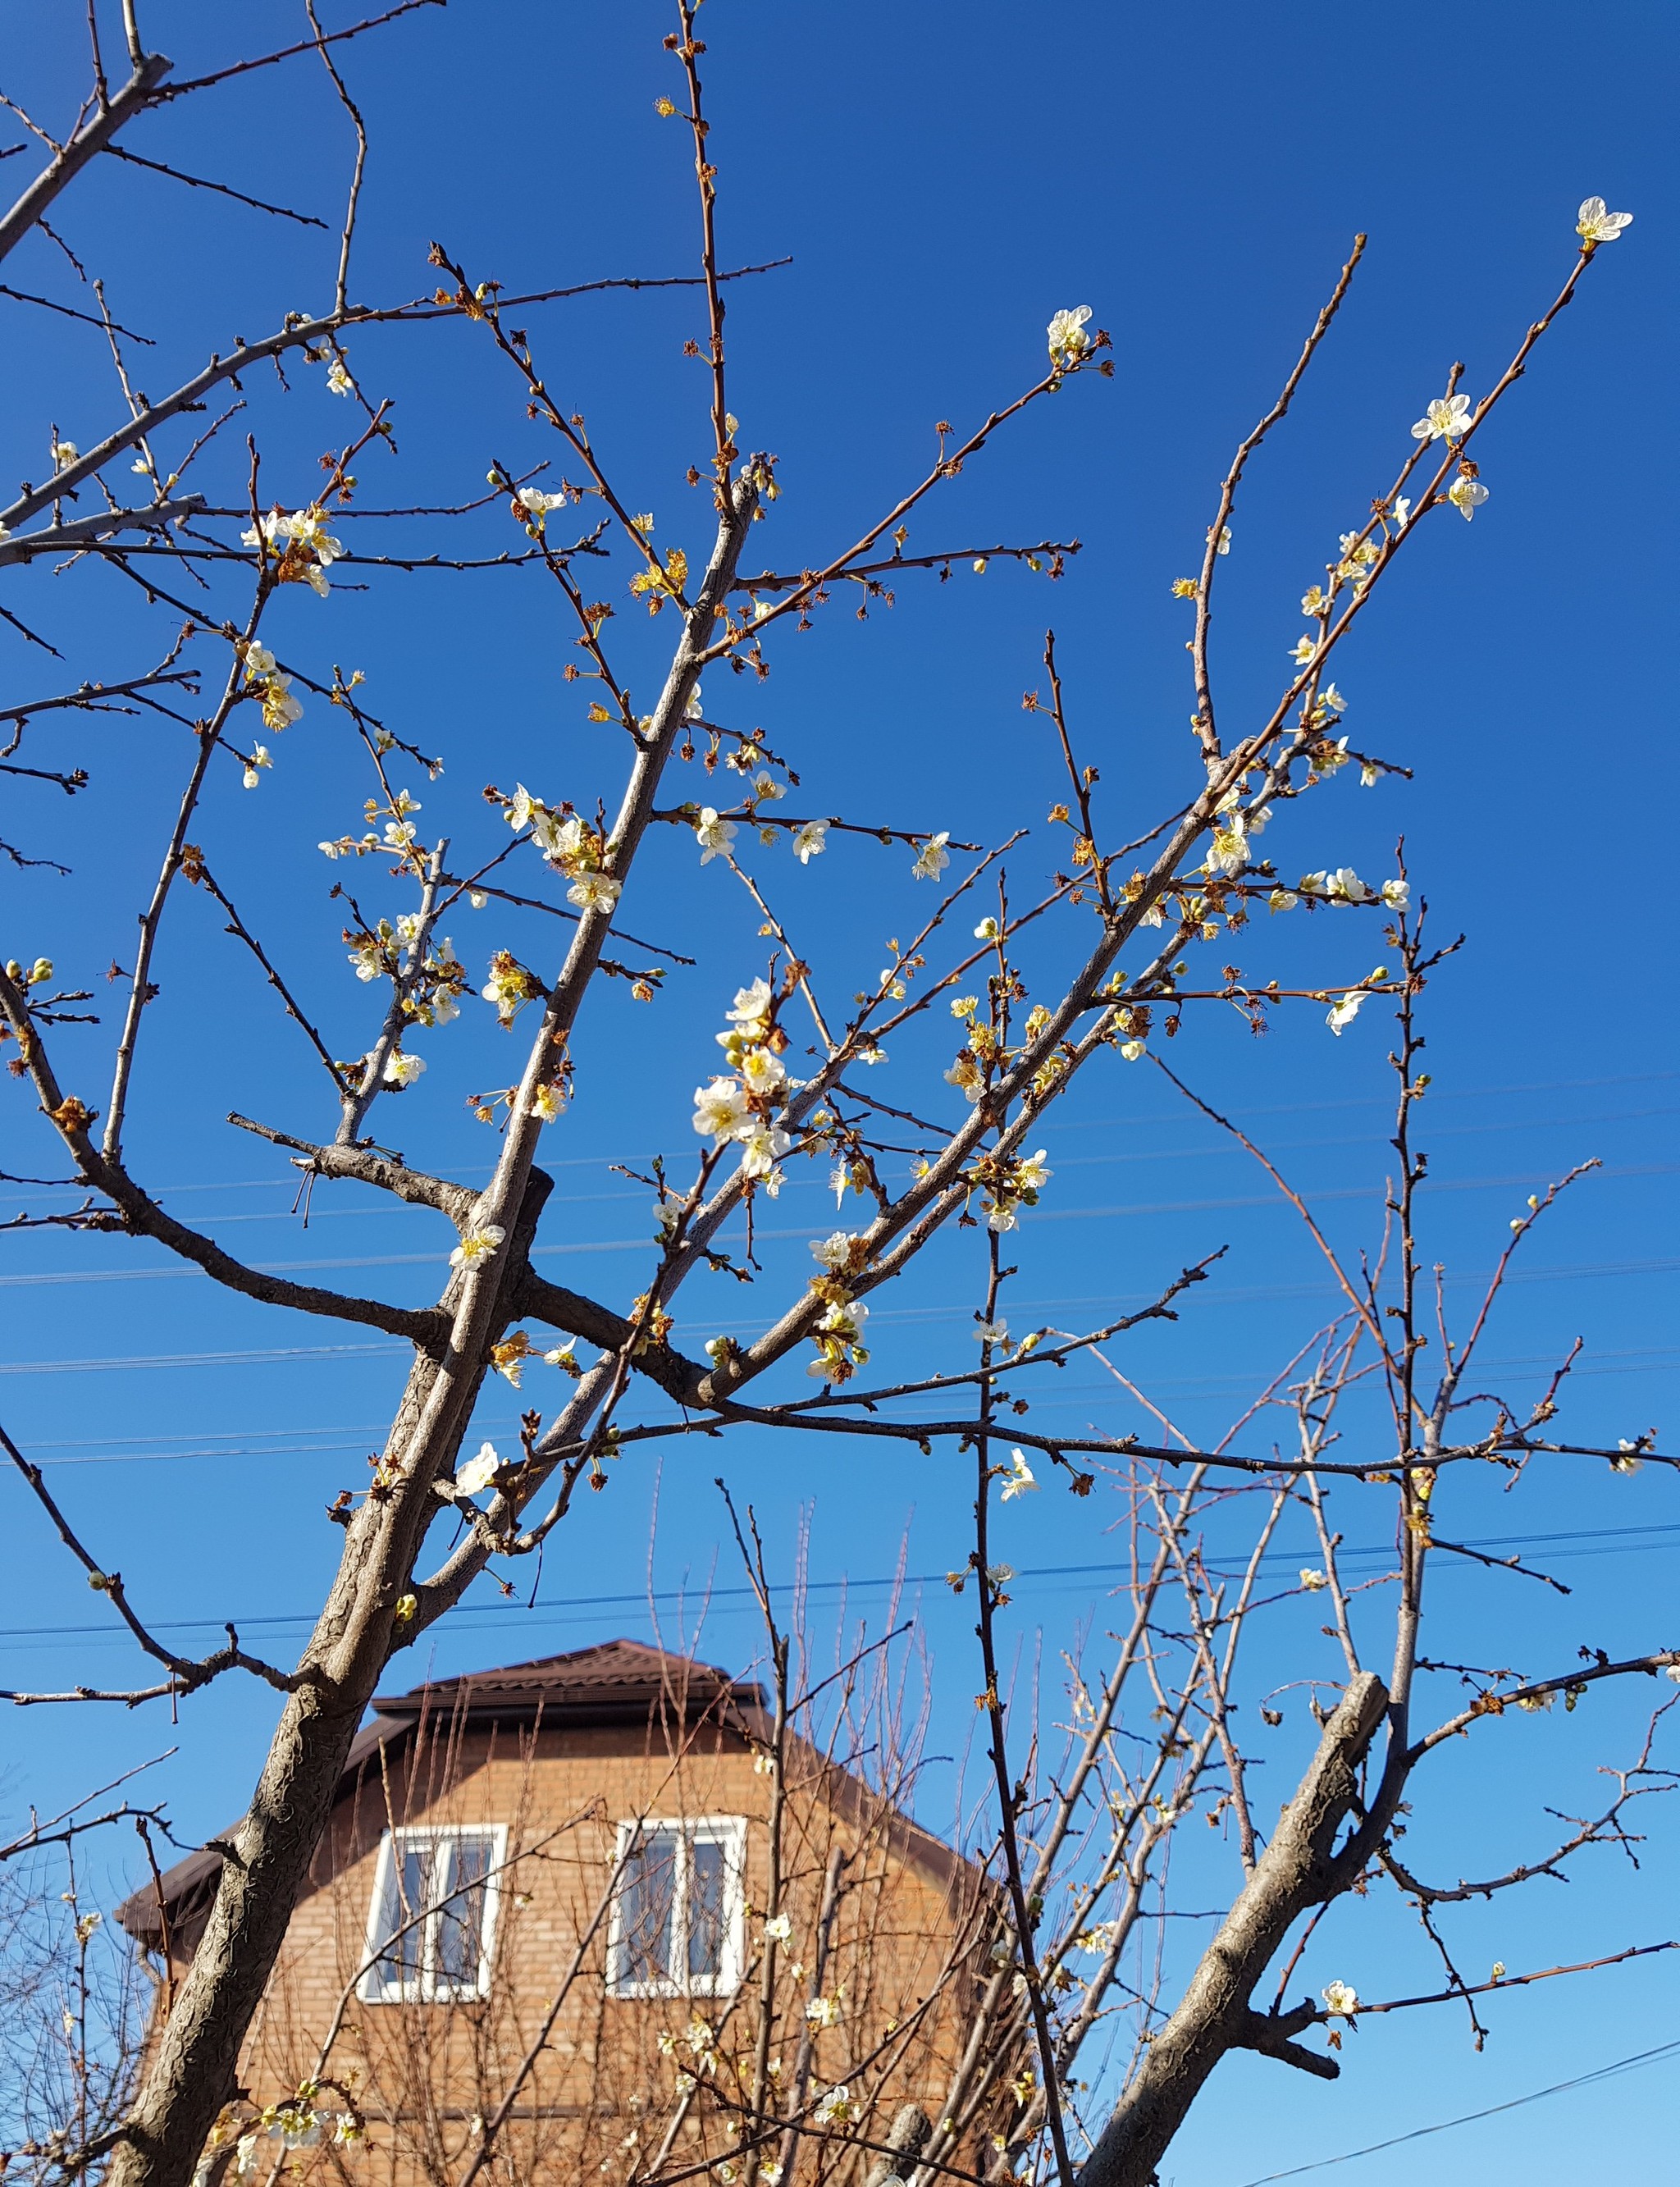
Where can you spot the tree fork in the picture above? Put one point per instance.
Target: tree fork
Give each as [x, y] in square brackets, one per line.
[194, 2070]
[1295, 1871]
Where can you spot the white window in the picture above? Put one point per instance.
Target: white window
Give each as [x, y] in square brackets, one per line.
[432, 1927]
[679, 1909]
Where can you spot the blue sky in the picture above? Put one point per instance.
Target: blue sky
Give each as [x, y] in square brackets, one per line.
[942, 181]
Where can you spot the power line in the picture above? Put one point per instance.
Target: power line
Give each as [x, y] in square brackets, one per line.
[1438, 1095]
[1611, 1538]
[1494, 2110]
[640, 1244]
[1576, 1272]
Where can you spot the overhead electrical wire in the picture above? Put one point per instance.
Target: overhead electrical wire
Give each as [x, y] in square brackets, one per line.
[1610, 1539]
[1469, 2118]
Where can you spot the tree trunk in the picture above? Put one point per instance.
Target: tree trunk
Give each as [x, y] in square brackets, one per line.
[1215, 2015]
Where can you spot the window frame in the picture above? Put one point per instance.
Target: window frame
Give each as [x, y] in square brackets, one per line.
[729, 1833]
[426, 1985]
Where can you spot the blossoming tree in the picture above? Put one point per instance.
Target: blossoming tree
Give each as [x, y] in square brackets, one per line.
[785, 1087]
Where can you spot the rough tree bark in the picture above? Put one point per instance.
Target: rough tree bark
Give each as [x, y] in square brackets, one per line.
[1296, 1870]
[192, 2069]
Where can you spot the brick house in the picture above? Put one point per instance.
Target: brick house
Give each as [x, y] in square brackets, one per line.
[542, 1900]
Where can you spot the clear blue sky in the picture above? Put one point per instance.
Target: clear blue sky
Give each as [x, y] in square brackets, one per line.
[942, 179]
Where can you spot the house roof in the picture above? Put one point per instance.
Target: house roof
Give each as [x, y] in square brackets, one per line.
[614, 1682]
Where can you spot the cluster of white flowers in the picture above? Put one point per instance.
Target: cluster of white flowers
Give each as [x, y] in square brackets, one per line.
[431, 981]
[744, 1107]
[400, 837]
[1233, 830]
[1011, 1186]
[839, 1334]
[701, 2043]
[271, 687]
[984, 1052]
[297, 2123]
[570, 845]
[303, 548]
[1344, 886]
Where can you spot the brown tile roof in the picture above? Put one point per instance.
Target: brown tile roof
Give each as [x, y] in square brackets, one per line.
[616, 1682]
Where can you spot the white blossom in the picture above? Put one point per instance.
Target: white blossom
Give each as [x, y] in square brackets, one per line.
[834, 1251]
[1403, 509]
[1068, 338]
[763, 1071]
[933, 857]
[713, 834]
[402, 1070]
[1466, 495]
[65, 453]
[477, 1474]
[1447, 418]
[721, 1108]
[810, 841]
[778, 1928]
[1030, 1173]
[1312, 1579]
[762, 1150]
[1398, 895]
[749, 1010]
[1596, 223]
[836, 2105]
[1343, 1013]
[594, 892]
[546, 1103]
[339, 381]
[1341, 1998]
[477, 1245]
[1021, 1478]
